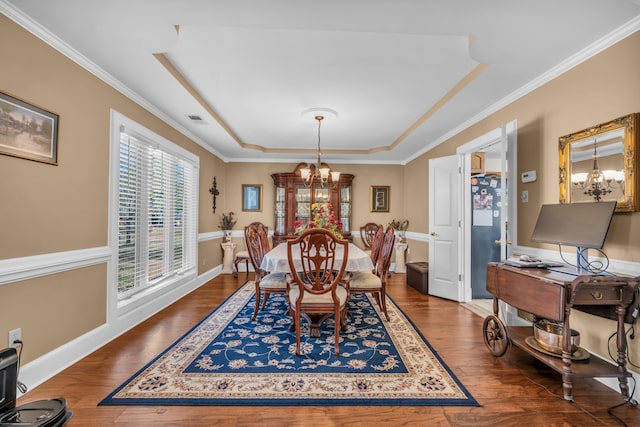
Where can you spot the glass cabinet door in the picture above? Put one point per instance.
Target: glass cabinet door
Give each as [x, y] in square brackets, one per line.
[345, 207]
[303, 203]
[321, 195]
[280, 209]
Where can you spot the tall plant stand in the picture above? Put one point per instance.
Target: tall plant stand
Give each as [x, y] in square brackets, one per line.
[401, 266]
[227, 257]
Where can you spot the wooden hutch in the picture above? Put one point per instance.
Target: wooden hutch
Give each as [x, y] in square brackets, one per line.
[294, 197]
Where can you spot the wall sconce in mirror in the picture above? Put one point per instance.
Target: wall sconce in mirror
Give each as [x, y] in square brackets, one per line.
[601, 164]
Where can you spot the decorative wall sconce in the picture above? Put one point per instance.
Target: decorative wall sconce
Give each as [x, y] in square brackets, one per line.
[214, 192]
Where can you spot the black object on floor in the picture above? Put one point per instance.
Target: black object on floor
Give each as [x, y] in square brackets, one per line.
[41, 413]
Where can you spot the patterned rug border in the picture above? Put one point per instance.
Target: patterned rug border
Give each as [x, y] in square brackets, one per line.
[110, 400]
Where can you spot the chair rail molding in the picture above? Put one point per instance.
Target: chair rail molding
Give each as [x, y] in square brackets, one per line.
[29, 267]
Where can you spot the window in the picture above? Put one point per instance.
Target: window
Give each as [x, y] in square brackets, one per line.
[156, 209]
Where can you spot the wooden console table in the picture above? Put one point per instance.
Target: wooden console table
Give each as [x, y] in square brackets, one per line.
[551, 295]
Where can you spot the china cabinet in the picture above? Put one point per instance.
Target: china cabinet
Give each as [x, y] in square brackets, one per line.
[294, 197]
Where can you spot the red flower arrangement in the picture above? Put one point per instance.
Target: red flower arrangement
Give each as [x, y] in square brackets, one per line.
[322, 216]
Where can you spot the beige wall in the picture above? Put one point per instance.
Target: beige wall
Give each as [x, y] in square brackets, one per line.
[601, 89]
[48, 209]
[260, 173]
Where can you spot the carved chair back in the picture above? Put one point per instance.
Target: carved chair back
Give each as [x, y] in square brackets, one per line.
[384, 256]
[368, 232]
[321, 271]
[256, 237]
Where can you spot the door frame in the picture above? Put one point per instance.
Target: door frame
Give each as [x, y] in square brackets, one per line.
[508, 209]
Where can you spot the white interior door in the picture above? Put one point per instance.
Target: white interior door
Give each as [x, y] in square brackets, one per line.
[444, 228]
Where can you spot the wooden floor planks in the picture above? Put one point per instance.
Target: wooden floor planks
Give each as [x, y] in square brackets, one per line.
[512, 390]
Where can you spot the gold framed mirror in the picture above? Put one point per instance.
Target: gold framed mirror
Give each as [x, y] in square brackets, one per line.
[601, 164]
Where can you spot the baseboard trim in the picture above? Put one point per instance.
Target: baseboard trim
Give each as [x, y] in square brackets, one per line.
[43, 368]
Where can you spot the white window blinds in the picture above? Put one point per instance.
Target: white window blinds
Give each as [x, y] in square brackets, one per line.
[157, 207]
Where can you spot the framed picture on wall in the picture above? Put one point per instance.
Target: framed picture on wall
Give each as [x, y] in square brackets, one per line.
[379, 198]
[27, 131]
[252, 197]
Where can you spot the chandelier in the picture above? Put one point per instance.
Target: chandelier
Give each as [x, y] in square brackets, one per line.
[320, 171]
[598, 183]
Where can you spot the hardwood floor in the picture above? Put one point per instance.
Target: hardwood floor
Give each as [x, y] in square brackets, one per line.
[512, 390]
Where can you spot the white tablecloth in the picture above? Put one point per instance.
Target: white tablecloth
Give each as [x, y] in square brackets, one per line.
[275, 261]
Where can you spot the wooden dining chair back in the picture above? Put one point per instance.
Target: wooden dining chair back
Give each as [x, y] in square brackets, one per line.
[376, 246]
[375, 282]
[368, 232]
[253, 239]
[256, 236]
[313, 285]
[384, 256]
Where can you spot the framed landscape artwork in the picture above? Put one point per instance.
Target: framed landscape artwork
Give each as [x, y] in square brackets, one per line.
[252, 197]
[379, 199]
[27, 131]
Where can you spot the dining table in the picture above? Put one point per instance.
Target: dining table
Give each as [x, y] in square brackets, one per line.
[276, 261]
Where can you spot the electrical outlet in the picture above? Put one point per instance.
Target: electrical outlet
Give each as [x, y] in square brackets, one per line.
[15, 335]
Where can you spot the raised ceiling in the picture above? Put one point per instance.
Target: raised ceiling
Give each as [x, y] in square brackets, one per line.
[402, 75]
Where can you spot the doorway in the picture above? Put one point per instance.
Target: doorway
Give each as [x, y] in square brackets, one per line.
[489, 207]
[450, 211]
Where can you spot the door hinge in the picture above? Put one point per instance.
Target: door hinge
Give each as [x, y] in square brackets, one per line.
[459, 277]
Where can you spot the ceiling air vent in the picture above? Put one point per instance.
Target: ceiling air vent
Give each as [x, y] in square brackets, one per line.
[196, 119]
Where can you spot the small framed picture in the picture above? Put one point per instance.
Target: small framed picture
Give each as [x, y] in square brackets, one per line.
[252, 197]
[27, 131]
[379, 198]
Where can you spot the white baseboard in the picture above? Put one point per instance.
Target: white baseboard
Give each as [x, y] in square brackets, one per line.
[43, 368]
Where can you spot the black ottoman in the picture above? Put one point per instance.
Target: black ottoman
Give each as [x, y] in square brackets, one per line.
[418, 276]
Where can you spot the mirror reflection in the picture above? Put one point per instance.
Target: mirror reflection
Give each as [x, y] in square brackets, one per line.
[597, 168]
[598, 164]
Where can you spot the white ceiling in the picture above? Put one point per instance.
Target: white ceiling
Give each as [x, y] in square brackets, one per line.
[403, 75]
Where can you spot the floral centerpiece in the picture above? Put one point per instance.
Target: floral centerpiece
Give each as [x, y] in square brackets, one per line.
[322, 216]
[400, 228]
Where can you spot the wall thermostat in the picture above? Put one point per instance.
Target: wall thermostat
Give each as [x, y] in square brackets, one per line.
[529, 176]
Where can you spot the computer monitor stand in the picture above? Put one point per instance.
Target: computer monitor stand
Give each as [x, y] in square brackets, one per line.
[581, 267]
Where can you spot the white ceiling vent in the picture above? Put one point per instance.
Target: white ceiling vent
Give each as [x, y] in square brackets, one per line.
[196, 119]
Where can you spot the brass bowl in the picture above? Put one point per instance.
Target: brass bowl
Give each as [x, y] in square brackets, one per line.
[549, 336]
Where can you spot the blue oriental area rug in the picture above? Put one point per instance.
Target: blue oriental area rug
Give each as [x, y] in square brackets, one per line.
[227, 359]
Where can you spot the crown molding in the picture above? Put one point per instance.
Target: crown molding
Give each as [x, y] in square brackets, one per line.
[55, 42]
[576, 59]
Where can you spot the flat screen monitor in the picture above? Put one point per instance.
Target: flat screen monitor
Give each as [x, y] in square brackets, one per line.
[583, 225]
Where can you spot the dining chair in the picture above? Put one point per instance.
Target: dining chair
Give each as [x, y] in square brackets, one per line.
[376, 245]
[375, 281]
[368, 232]
[313, 287]
[256, 236]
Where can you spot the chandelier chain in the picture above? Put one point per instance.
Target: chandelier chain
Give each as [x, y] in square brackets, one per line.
[319, 119]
